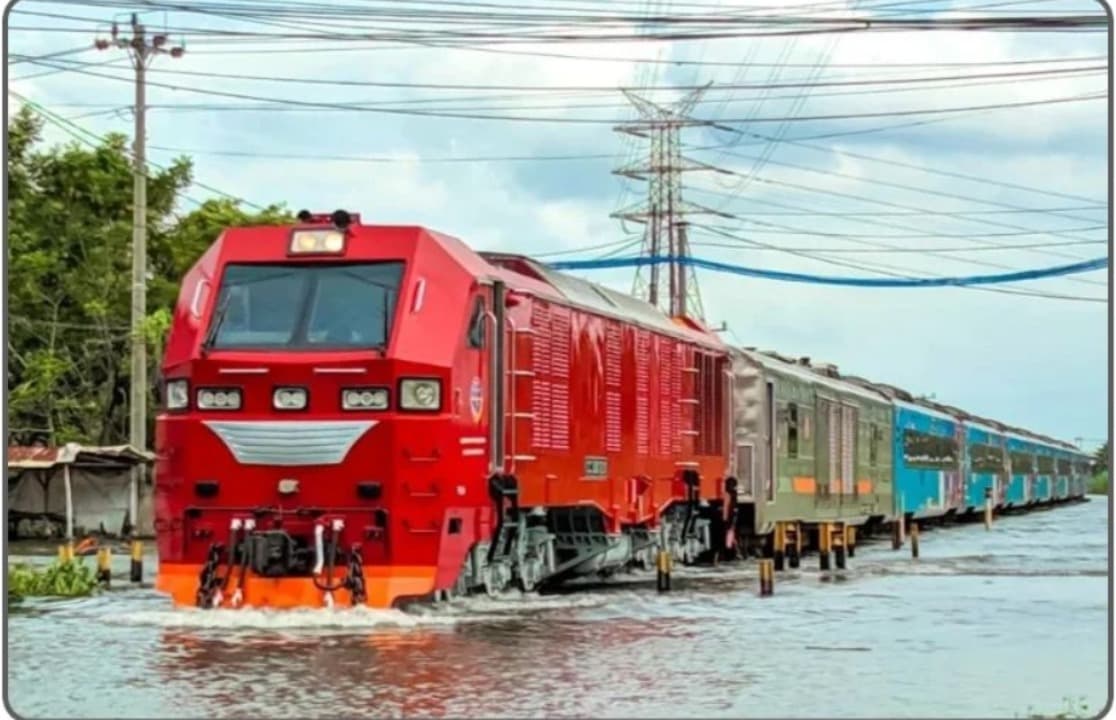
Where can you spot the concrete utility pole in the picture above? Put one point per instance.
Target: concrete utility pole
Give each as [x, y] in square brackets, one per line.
[664, 211]
[141, 52]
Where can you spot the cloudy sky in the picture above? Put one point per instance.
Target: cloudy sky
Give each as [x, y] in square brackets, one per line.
[924, 194]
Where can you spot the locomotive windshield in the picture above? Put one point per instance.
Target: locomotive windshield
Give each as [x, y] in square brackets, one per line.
[305, 307]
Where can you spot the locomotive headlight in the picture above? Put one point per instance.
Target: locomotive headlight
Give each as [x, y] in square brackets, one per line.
[420, 394]
[364, 399]
[289, 398]
[178, 394]
[309, 242]
[219, 399]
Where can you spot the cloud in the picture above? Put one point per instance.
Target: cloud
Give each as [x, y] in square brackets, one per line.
[1035, 362]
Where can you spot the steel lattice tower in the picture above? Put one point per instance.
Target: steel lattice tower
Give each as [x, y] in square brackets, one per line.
[664, 212]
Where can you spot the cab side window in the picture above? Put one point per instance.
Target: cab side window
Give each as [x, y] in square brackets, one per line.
[477, 324]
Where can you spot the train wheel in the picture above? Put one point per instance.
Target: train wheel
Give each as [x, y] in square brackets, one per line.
[495, 579]
[530, 575]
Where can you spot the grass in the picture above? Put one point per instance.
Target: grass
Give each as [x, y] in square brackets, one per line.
[68, 579]
[1071, 710]
[1099, 484]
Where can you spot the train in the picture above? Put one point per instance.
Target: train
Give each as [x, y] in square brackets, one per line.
[375, 415]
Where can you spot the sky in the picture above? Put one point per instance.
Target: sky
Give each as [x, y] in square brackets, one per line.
[896, 187]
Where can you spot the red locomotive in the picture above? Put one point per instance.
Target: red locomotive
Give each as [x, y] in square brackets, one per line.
[372, 414]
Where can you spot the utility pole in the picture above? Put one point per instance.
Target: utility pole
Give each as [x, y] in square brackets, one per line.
[664, 211]
[142, 53]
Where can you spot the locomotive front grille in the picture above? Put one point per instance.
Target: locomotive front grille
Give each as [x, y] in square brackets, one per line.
[289, 442]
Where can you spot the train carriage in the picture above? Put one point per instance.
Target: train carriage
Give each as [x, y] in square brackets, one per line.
[1023, 464]
[928, 461]
[809, 448]
[1081, 474]
[1044, 479]
[986, 466]
[1063, 474]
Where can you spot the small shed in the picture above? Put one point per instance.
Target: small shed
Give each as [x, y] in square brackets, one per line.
[57, 491]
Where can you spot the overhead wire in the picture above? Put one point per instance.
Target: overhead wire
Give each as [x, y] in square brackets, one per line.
[809, 82]
[933, 281]
[899, 272]
[580, 120]
[92, 139]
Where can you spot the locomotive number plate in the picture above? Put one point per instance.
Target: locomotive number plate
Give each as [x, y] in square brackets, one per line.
[596, 467]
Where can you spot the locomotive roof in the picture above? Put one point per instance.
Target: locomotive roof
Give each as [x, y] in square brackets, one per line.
[597, 298]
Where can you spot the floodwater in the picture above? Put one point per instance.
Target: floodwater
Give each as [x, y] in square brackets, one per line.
[1006, 623]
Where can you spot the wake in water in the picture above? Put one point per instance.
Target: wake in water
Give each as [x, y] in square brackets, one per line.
[462, 610]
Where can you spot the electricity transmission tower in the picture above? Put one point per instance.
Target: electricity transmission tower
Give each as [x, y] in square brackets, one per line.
[142, 51]
[664, 212]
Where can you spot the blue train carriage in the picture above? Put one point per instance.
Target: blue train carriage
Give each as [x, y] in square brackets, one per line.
[987, 467]
[929, 461]
[1023, 468]
[1044, 466]
[1075, 467]
[1063, 473]
[1082, 471]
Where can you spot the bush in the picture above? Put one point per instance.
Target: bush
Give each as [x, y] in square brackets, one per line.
[1099, 484]
[70, 579]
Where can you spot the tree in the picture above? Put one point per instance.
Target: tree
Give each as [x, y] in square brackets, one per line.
[1100, 457]
[69, 277]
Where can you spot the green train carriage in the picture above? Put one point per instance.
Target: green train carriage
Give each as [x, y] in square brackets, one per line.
[812, 455]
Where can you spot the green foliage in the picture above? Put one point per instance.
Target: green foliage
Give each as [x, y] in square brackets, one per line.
[1101, 458]
[69, 579]
[69, 278]
[1099, 484]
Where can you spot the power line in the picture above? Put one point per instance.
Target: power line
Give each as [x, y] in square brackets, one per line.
[856, 240]
[924, 282]
[581, 120]
[941, 213]
[446, 104]
[912, 188]
[81, 134]
[929, 236]
[886, 250]
[912, 166]
[806, 83]
[894, 271]
[598, 33]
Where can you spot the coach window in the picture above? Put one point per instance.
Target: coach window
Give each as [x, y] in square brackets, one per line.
[792, 430]
[1022, 463]
[476, 324]
[873, 444]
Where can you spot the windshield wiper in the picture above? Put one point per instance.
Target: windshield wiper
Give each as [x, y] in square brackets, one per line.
[215, 326]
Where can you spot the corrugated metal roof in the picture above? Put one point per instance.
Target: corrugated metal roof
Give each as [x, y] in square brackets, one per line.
[602, 300]
[25, 458]
[804, 373]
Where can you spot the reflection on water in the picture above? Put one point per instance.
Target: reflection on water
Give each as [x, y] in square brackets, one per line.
[999, 623]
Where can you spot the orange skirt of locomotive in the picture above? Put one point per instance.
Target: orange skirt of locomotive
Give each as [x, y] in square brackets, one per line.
[383, 585]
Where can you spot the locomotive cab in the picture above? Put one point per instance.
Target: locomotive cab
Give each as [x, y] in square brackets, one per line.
[315, 387]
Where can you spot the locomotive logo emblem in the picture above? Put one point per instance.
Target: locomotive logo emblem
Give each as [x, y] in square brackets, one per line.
[476, 399]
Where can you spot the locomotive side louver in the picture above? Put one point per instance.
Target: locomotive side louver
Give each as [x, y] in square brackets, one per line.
[283, 442]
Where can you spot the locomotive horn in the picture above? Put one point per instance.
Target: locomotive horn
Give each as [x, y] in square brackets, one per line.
[341, 219]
